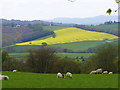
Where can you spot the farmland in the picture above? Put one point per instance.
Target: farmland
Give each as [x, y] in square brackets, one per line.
[35, 80]
[75, 46]
[70, 55]
[52, 28]
[108, 27]
[78, 46]
[71, 35]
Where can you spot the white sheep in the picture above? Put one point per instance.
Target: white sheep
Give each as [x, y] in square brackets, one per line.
[59, 75]
[99, 71]
[14, 70]
[93, 72]
[3, 77]
[68, 74]
[110, 73]
[105, 72]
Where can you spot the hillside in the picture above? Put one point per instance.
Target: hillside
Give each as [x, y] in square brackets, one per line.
[69, 35]
[107, 27]
[12, 35]
[15, 31]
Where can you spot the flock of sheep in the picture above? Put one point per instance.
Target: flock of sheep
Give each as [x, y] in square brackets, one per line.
[60, 75]
[100, 71]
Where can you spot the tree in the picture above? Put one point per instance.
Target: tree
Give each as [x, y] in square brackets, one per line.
[41, 60]
[54, 35]
[66, 64]
[5, 56]
[44, 44]
[8, 63]
[109, 11]
[105, 57]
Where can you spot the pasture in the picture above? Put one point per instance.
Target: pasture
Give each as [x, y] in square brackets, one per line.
[78, 46]
[74, 46]
[70, 55]
[108, 27]
[52, 28]
[37, 80]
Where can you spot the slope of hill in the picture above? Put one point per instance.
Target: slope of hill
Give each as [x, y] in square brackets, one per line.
[111, 28]
[71, 35]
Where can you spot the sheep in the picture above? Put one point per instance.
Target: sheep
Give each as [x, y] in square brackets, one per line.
[110, 73]
[3, 77]
[99, 71]
[105, 72]
[68, 74]
[14, 70]
[62, 75]
[93, 72]
[59, 75]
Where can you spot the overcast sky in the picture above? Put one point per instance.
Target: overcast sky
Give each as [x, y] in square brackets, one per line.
[49, 9]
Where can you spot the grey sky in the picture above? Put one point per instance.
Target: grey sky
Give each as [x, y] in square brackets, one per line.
[49, 9]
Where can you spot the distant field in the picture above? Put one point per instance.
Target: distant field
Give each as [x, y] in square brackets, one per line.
[36, 80]
[18, 54]
[78, 46]
[74, 55]
[75, 46]
[107, 27]
[23, 47]
[71, 35]
[52, 28]
[70, 55]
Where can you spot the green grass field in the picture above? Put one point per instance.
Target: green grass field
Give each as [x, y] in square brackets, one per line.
[18, 54]
[106, 27]
[70, 55]
[78, 46]
[74, 55]
[51, 28]
[33, 80]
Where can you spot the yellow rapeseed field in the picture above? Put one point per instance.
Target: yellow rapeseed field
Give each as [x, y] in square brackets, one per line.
[68, 35]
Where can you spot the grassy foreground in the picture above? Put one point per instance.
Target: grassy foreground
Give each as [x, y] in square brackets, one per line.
[33, 80]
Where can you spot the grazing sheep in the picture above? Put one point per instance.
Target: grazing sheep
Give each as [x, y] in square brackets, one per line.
[110, 73]
[3, 77]
[99, 71]
[59, 75]
[62, 75]
[68, 74]
[93, 72]
[14, 70]
[105, 72]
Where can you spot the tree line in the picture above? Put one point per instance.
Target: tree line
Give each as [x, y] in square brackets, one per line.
[45, 60]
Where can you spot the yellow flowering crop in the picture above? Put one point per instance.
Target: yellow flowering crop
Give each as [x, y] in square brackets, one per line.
[68, 35]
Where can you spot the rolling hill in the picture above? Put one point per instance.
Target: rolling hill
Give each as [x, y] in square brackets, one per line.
[69, 35]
